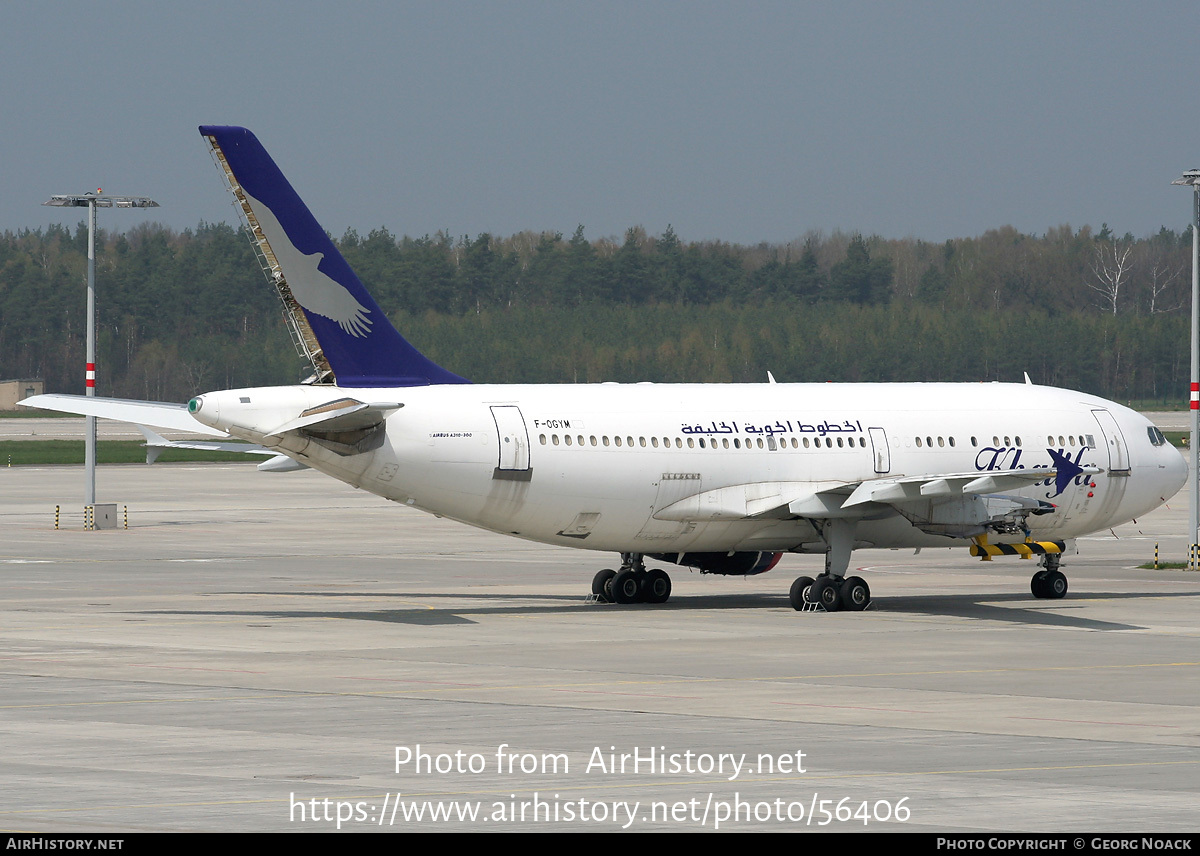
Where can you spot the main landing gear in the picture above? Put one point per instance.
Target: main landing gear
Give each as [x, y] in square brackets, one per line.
[1049, 583]
[833, 590]
[830, 593]
[632, 583]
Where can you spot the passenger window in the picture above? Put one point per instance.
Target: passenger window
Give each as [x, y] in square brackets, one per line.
[554, 439]
[617, 440]
[543, 439]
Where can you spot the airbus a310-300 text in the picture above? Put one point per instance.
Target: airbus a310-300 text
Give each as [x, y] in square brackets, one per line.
[725, 478]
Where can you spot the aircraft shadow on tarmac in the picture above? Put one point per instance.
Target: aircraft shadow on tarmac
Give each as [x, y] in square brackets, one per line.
[1007, 607]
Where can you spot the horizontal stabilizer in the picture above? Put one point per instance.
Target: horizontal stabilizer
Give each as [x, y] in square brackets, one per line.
[281, 464]
[345, 414]
[156, 444]
[160, 414]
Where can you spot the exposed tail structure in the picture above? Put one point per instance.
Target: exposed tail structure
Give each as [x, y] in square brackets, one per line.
[335, 321]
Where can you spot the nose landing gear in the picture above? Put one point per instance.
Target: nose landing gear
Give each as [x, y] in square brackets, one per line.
[1049, 583]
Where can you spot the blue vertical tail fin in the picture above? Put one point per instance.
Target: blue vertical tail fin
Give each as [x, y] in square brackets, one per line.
[336, 320]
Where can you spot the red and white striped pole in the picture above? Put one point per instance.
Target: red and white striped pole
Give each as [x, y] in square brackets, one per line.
[89, 452]
[1192, 177]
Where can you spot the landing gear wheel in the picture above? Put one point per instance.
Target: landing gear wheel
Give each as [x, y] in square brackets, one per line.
[796, 595]
[1050, 585]
[626, 587]
[855, 594]
[600, 584]
[657, 586]
[824, 591]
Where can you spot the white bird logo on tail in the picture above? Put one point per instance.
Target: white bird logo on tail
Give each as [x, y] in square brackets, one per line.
[312, 289]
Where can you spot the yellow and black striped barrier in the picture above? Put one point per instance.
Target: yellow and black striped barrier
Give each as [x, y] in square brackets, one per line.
[1025, 550]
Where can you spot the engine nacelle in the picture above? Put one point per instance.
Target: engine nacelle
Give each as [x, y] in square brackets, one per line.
[739, 564]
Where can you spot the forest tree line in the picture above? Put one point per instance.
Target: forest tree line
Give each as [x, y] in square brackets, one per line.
[184, 312]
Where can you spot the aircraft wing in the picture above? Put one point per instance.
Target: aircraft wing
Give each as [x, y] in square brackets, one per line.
[914, 488]
[852, 499]
[160, 414]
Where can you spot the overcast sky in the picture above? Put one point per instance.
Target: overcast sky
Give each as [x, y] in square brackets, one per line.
[744, 122]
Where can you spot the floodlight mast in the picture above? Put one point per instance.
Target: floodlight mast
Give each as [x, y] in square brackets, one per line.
[93, 201]
[1192, 178]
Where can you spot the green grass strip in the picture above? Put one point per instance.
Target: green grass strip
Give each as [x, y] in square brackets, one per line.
[23, 453]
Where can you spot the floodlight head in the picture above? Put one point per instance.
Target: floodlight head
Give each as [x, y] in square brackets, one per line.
[1192, 177]
[67, 200]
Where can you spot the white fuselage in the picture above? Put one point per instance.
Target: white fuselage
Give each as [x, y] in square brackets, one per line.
[612, 466]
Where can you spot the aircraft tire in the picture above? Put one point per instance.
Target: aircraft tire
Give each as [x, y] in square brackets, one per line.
[600, 585]
[796, 595]
[1055, 585]
[657, 586]
[1048, 585]
[855, 594]
[626, 587]
[824, 591]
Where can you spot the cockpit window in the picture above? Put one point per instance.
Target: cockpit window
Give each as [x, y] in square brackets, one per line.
[1157, 437]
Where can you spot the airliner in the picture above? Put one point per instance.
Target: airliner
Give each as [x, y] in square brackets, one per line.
[723, 478]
